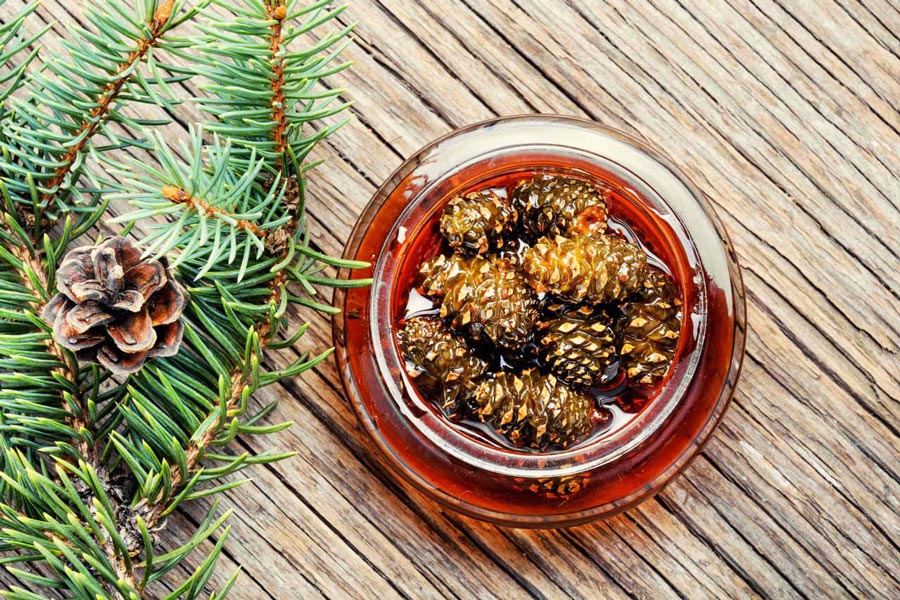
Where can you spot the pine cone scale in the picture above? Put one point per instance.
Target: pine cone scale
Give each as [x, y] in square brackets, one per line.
[111, 358]
[133, 332]
[168, 339]
[77, 266]
[146, 278]
[87, 315]
[83, 291]
[166, 305]
[69, 338]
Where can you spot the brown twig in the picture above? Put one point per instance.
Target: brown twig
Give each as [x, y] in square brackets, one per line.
[277, 11]
[177, 195]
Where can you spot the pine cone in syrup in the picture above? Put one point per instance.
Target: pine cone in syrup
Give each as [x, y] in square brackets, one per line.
[549, 205]
[534, 410]
[578, 345]
[440, 363]
[650, 331]
[582, 268]
[486, 298]
[477, 222]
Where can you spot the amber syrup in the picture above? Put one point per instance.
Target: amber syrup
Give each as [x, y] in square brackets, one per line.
[617, 402]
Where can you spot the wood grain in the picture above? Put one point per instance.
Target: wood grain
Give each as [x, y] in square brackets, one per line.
[786, 114]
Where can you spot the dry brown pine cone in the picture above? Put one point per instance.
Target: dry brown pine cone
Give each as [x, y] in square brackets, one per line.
[549, 205]
[650, 331]
[115, 308]
[440, 363]
[477, 222]
[483, 297]
[596, 270]
[532, 409]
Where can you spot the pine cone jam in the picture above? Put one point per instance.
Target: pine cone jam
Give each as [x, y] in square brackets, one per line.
[556, 322]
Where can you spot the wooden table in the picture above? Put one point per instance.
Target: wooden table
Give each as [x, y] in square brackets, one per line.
[786, 114]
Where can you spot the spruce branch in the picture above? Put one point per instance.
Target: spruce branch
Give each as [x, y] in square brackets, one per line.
[51, 121]
[27, 286]
[207, 203]
[14, 42]
[260, 50]
[93, 464]
[56, 419]
[109, 94]
[46, 420]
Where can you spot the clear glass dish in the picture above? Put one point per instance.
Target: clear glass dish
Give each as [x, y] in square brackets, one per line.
[607, 473]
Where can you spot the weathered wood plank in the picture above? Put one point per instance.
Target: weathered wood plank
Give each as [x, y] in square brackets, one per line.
[786, 114]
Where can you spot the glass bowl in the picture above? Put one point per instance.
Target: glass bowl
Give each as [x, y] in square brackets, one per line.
[607, 473]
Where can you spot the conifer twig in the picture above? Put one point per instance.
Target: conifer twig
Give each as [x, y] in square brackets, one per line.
[110, 93]
[74, 418]
[277, 11]
[178, 195]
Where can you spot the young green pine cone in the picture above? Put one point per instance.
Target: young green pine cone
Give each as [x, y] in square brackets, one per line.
[588, 269]
[533, 410]
[578, 345]
[651, 326]
[550, 205]
[477, 222]
[440, 363]
[483, 297]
